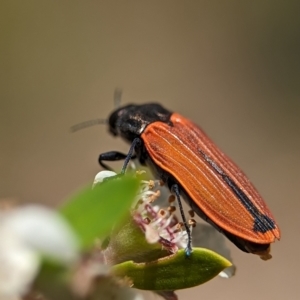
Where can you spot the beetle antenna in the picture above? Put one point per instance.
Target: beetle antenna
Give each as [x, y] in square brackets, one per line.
[86, 124]
[117, 97]
[83, 125]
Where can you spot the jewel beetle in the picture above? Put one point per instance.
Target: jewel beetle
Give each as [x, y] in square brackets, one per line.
[180, 154]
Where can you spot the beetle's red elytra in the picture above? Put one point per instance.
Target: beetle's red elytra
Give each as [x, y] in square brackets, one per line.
[181, 155]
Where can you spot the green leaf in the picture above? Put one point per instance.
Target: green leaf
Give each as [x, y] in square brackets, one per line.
[175, 271]
[93, 212]
[128, 242]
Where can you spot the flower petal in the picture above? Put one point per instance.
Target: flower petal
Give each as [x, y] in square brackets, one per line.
[19, 266]
[102, 175]
[42, 230]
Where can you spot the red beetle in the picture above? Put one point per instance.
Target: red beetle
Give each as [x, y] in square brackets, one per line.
[181, 155]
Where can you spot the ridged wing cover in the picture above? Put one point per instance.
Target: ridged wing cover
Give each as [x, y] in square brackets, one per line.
[217, 186]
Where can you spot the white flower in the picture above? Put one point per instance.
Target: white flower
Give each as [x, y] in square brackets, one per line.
[159, 225]
[19, 265]
[27, 233]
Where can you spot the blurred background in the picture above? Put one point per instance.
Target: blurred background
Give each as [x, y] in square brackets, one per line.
[233, 67]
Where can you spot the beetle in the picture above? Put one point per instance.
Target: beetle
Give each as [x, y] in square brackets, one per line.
[180, 154]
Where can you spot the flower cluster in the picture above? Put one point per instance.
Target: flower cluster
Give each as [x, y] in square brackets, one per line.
[103, 244]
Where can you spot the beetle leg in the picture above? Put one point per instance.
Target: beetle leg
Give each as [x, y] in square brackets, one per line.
[130, 154]
[110, 156]
[116, 155]
[175, 190]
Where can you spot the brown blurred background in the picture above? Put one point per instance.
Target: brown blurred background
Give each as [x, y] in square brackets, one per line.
[233, 67]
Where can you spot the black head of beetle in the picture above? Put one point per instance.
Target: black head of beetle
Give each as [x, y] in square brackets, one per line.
[131, 120]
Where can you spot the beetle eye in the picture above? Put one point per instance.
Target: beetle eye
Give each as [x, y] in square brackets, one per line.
[113, 121]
